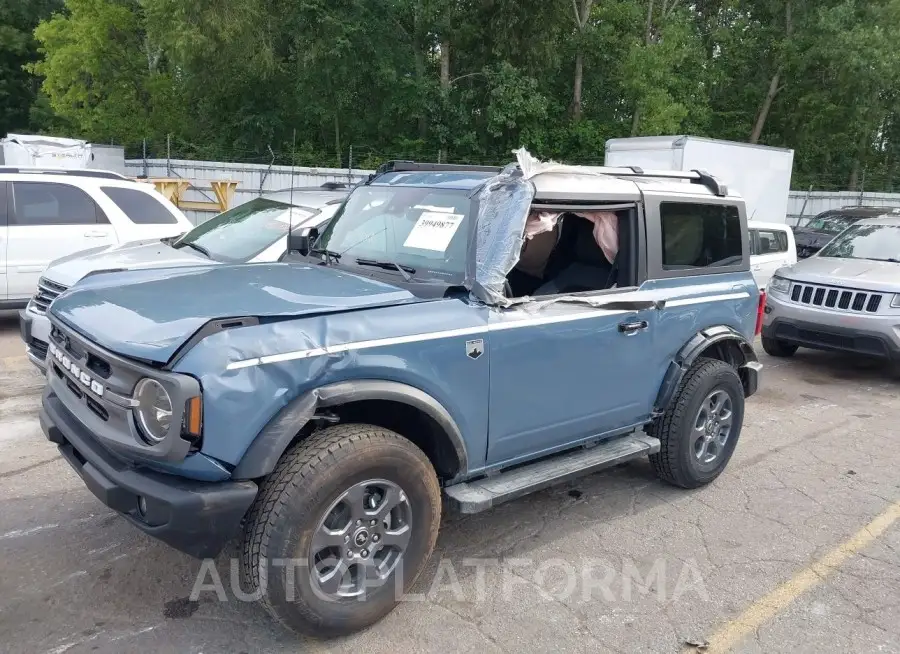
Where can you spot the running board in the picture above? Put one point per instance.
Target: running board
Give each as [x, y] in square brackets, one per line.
[482, 494]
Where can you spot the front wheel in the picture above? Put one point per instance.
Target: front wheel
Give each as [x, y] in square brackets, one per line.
[341, 529]
[700, 429]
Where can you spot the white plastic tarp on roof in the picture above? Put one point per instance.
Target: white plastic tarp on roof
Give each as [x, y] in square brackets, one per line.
[45, 151]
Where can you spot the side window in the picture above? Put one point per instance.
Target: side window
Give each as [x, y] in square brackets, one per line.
[700, 235]
[771, 241]
[141, 208]
[782, 241]
[41, 203]
[752, 235]
[3, 203]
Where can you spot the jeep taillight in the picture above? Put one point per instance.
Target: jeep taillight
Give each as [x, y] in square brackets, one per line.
[760, 311]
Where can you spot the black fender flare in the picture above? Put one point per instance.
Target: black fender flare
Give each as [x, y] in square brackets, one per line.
[268, 446]
[744, 358]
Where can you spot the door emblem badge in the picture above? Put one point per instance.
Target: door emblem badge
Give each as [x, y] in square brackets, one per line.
[474, 349]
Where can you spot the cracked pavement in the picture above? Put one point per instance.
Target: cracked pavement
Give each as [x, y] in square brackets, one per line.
[613, 563]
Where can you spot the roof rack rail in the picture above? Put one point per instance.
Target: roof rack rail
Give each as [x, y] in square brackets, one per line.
[74, 172]
[694, 176]
[413, 166]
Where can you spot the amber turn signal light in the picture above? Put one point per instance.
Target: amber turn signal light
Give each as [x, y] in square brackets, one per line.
[193, 417]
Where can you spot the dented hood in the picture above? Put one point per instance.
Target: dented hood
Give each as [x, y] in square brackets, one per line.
[149, 314]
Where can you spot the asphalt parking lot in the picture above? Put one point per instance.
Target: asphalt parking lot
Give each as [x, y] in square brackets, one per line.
[796, 548]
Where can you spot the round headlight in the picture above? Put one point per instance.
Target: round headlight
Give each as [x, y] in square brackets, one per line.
[154, 410]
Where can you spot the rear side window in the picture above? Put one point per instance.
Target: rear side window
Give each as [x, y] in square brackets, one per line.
[770, 241]
[700, 235]
[3, 201]
[141, 208]
[40, 203]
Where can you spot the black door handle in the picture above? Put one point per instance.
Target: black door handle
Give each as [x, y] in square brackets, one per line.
[633, 327]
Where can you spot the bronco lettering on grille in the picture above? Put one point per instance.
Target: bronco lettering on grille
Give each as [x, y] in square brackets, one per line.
[76, 371]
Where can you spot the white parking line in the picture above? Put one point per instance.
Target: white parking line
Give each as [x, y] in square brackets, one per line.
[19, 533]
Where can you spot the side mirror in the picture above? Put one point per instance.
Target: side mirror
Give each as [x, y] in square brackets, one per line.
[301, 240]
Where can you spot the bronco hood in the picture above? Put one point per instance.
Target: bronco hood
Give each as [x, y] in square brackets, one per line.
[149, 314]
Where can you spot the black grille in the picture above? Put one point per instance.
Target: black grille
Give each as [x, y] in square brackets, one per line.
[38, 348]
[46, 293]
[824, 296]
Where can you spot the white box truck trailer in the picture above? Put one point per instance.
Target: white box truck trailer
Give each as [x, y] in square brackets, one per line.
[53, 152]
[761, 174]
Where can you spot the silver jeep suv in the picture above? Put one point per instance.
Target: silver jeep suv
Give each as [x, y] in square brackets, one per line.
[845, 298]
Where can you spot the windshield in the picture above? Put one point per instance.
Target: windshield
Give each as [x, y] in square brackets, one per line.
[830, 224]
[422, 229]
[877, 242]
[241, 233]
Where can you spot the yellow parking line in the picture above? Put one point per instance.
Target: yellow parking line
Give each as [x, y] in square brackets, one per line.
[770, 605]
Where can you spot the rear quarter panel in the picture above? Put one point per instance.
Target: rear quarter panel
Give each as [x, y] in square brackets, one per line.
[703, 301]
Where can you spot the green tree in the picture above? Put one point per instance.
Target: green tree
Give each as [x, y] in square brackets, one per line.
[19, 89]
[104, 74]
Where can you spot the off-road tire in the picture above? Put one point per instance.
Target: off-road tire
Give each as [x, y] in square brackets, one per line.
[675, 461]
[308, 478]
[776, 348]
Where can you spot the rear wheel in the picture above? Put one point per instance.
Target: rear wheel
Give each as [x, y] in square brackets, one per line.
[778, 348]
[341, 529]
[699, 431]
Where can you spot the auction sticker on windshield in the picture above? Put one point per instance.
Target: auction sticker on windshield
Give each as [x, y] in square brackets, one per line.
[433, 231]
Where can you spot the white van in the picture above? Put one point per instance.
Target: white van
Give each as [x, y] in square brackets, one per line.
[46, 214]
[772, 246]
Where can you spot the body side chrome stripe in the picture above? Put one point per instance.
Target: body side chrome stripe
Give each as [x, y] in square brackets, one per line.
[513, 323]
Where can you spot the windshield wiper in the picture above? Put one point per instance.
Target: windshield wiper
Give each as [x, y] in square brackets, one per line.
[329, 255]
[889, 260]
[406, 271]
[202, 250]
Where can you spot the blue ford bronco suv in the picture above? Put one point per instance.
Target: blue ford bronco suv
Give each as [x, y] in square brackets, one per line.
[477, 333]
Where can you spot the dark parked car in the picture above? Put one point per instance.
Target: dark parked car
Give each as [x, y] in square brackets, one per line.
[819, 230]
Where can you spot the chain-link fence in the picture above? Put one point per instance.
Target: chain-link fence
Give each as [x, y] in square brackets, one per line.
[260, 170]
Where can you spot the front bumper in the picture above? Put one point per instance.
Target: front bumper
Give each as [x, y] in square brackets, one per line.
[868, 334]
[34, 328]
[197, 518]
[835, 339]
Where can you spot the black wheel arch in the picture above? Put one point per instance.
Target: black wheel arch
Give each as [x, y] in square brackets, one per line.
[718, 342]
[389, 404]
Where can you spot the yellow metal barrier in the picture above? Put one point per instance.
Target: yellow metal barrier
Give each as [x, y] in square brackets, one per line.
[174, 190]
